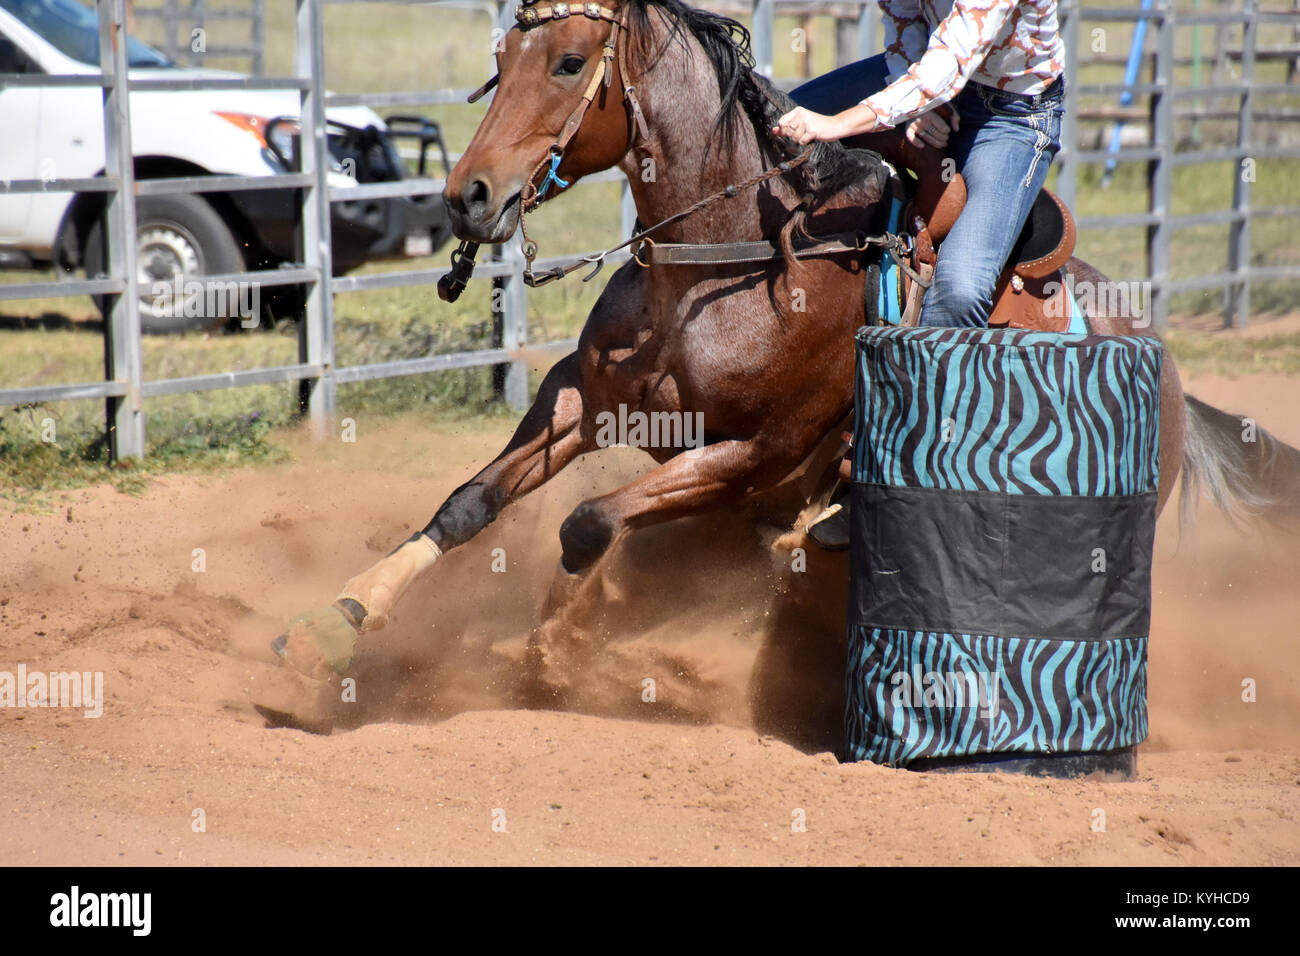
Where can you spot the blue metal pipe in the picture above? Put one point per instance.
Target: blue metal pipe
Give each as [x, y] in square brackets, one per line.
[1126, 98]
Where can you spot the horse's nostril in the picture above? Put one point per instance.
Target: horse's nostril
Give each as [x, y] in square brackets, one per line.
[477, 194]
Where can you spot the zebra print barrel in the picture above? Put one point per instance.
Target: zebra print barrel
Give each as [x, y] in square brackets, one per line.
[1003, 515]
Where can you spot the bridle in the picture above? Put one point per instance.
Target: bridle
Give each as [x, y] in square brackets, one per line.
[532, 13]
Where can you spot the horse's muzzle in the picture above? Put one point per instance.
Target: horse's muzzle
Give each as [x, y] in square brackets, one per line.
[478, 216]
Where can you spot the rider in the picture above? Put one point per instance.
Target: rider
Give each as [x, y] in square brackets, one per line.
[998, 64]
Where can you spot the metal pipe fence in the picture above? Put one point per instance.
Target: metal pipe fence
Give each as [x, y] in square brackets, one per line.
[316, 372]
[178, 19]
[1162, 156]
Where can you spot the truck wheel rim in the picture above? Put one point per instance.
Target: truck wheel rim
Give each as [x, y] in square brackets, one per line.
[166, 256]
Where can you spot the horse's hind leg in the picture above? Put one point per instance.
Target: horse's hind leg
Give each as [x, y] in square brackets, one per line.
[549, 437]
[690, 483]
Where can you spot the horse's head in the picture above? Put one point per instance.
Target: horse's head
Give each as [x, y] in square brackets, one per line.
[546, 65]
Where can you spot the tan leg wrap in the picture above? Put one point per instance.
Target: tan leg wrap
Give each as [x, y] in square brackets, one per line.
[378, 589]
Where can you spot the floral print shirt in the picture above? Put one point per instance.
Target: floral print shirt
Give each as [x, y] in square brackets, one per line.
[934, 47]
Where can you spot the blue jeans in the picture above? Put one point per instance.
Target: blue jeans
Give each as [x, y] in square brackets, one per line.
[1005, 145]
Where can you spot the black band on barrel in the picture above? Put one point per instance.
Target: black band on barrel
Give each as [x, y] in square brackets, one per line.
[981, 562]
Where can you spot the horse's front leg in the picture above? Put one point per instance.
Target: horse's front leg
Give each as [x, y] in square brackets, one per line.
[549, 437]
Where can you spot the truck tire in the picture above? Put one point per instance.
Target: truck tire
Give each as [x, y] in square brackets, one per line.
[179, 239]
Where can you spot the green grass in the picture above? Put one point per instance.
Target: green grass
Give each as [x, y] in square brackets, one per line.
[76, 454]
[373, 47]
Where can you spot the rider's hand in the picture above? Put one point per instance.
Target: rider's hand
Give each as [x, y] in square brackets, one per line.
[804, 126]
[931, 129]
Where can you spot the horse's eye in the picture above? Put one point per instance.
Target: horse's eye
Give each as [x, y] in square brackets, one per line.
[570, 66]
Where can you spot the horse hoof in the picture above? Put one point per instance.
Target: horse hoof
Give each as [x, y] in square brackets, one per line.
[319, 643]
[830, 529]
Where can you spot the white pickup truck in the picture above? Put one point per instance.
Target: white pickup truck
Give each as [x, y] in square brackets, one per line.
[58, 133]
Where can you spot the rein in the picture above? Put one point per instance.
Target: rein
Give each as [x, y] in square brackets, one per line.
[532, 13]
[597, 259]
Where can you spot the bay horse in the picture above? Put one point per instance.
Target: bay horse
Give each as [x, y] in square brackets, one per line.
[762, 352]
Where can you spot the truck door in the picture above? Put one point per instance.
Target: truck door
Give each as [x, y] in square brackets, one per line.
[20, 116]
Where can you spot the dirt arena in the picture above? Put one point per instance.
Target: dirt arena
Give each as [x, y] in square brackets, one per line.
[437, 745]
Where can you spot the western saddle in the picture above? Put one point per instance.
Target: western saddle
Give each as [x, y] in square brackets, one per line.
[1033, 277]
[1025, 296]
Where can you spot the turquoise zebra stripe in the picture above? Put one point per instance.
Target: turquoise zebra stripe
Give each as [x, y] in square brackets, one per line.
[1014, 411]
[915, 694]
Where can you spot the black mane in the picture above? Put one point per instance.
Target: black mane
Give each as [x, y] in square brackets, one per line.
[726, 43]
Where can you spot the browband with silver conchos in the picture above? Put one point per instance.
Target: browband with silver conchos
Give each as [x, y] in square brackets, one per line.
[530, 12]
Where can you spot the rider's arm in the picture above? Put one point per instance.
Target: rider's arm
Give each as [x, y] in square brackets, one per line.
[906, 33]
[956, 48]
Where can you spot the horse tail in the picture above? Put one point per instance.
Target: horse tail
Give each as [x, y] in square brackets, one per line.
[1243, 469]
